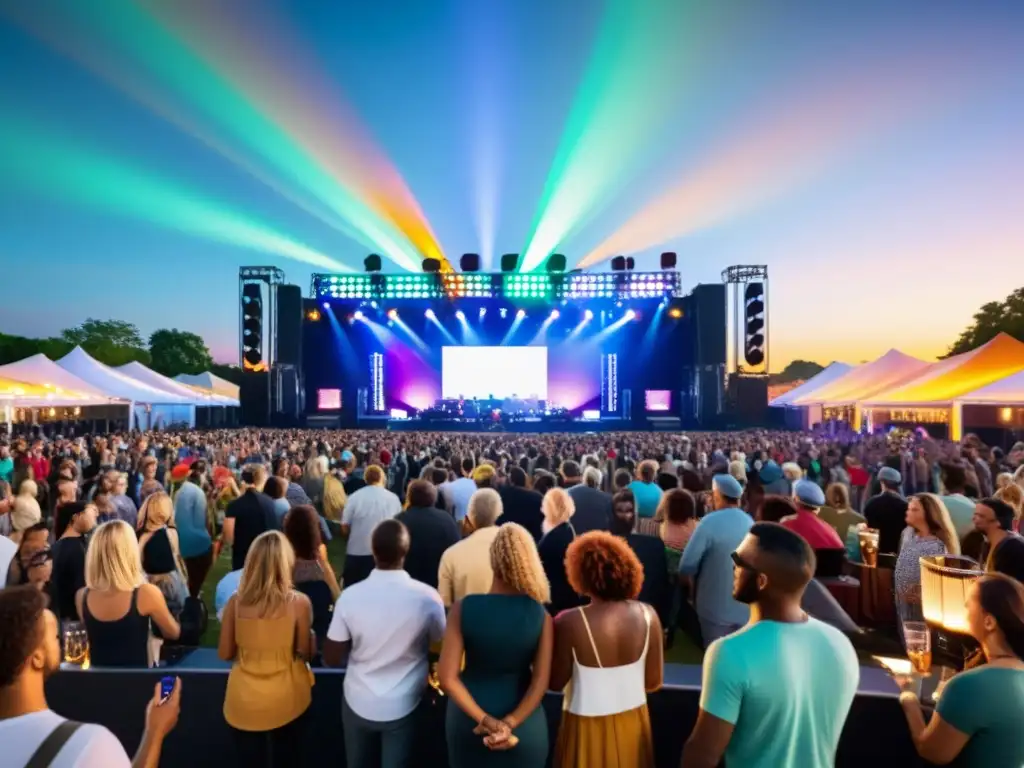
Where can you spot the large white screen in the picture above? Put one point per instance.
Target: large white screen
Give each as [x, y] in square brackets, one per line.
[499, 371]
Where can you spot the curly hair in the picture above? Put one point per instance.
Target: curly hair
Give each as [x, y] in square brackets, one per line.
[20, 611]
[515, 561]
[676, 506]
[603, 566]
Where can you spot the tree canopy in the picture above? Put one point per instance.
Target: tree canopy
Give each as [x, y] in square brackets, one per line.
[173, 352]
[798, 370]
[996, 317]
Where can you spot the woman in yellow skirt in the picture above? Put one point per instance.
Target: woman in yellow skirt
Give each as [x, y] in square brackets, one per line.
[607, 657]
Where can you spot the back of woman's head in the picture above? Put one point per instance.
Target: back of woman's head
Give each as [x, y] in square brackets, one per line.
[515, 561]
[157, 511]
[1003, 599]
[940, 524]
[1013, 495]
[837, 496]
[302, 529]
[676, 506]
[647, 471]
[557, 506]
[112, 561]
[774, 508]
[604, 566]
[267, 575]
[622, 479]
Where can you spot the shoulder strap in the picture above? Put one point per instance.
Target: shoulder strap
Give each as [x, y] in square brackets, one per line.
[47, 752]
[647, 618]
[593, 645]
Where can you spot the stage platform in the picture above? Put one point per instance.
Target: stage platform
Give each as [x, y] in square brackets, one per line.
[514, 427]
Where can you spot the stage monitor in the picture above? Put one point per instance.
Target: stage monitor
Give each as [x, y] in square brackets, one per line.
[498, 372]
[328, 399]
[657, 400]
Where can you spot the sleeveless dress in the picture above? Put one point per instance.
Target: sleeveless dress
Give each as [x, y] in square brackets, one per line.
[123, 642]
[605, 723]
[269, 686]
[501, 634]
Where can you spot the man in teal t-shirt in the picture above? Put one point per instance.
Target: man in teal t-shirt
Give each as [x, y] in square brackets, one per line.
[777, 692]
[645, 491]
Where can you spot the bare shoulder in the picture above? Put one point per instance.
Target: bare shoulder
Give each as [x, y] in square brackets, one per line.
[149, 596]
[300, 600]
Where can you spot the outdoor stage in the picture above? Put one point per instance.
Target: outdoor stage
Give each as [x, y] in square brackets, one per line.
[511, 352]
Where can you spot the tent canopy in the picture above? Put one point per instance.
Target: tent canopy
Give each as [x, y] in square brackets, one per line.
[821, 379]
[1008, 391]
[948, 380]
[115, 383]
[210, 383]
[888, 371]
[151, 378]
[61, 386]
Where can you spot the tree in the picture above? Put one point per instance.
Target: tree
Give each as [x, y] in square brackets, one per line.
[996, 317]
[798, 370]
[174, 352]
[114, 342]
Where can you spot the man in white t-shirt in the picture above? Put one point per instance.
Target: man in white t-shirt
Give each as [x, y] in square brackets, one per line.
[457, 493]
[29, 653]
[384, 627]
[365, 508]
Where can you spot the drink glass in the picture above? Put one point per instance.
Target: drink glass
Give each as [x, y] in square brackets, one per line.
[919, 646]
[869, 547]
[76, 644]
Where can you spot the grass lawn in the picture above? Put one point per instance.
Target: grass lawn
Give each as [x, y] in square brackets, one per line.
[682, 651]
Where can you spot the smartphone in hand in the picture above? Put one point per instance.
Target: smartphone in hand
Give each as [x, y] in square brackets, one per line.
[166, 688]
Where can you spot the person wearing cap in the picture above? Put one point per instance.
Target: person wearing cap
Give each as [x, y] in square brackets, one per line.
[809, 499]
[887, 512]
[709, 554]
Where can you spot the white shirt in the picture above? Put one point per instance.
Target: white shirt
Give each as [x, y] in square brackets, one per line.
[365, 508]
[8, 549]
[391, 620]
[91, 746]
[458, 494]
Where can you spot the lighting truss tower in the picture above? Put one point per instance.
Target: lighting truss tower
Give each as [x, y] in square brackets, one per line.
[747, 290]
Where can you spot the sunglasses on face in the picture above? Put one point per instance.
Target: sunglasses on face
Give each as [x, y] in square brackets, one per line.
[741, 563]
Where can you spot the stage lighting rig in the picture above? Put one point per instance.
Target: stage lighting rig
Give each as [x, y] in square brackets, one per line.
[509, 262]
[392, 314]
[431, 266]
[470, 262]
[556, 263]
[668, 260]
[372, 263]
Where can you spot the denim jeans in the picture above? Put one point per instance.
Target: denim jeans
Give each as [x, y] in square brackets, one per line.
[369, 743]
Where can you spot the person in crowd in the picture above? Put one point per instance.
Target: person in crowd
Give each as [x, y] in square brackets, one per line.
[569, 474]
[1013, 495]
[6, 500]
[365, 508]
[837, 511]
[294, 492]
[30, 542]
[655, 586]
[334, 497]
[124, 507]
[977, 720]
[929, 532]
[645, 490]
[276, 488]
[313, 482]
[431, 532]
[6, 464]
[117, 604]
[559, 533]
[820, 535]
[248, 516]
[1004, 551]
[521, 504]
[621, 480]
[764, 699]
[494, 715]
[887, 512]
[544, 481]
[73, 524]
[313, 575]
[382, 630]
[25, 511]
[484, 476]
[611, 652]
[161, 554]
[465, 567]
[709, 553]
[457, 493]
[266, 633]
[773, 480]
[146, 482]
[961, 508]
[30, 732]
[226, 588]
[191, 519]
[593, 506]
[678, 513]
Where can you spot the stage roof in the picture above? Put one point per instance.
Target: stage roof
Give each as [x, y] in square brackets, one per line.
[951, 379]
[888, 371]
[822, 379]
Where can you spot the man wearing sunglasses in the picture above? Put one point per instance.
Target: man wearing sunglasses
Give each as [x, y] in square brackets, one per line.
[777, 692]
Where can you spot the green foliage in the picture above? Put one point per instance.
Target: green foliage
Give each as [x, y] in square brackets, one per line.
[174, 352]
[996, 317]
[113, 342]
[798, 370]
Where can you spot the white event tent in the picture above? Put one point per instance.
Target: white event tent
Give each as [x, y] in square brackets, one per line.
[816, 382]
[63, 388]
[149, 406]
[209, 382]
[1007, 392]
[148, 376]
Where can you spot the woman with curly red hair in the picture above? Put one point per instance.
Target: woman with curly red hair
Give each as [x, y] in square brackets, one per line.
[605, 654]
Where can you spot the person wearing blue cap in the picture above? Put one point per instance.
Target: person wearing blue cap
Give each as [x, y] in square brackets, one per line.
[887, 512]
[709, 553]
[820, 535]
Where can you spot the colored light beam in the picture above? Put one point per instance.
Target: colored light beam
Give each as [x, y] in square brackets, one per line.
[794, 142]
[129, 49]
[33, 159]
[256, 51]
[624, 95]
[512, 329]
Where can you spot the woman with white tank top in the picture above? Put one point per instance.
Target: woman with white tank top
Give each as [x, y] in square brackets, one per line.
[607, 657]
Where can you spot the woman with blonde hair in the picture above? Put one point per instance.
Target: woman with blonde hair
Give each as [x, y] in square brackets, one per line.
[267, 633]
[494, 716]
[334, 497]
[117, 604]
[313, 481]
[161, 552]
[558, 509]
[25, 511]
[1013, 495]
[929, 532]
[837, 511]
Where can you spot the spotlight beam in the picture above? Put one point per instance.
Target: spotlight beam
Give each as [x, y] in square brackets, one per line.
[447, 334]
[512, 330]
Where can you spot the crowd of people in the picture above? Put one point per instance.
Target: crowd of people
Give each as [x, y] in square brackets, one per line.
[529, 563]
